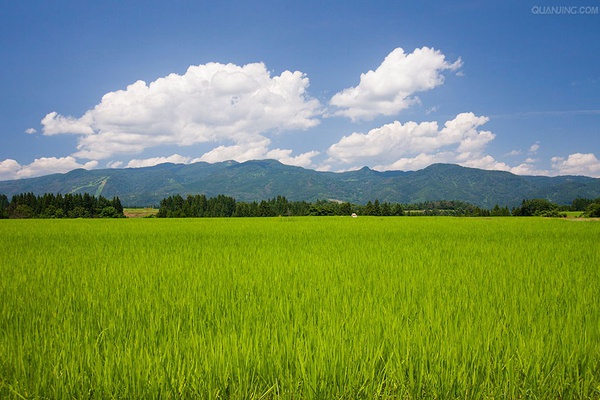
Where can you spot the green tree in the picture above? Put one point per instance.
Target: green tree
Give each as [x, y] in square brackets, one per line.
[346, 209]
[23, 211]
[265, 209]
[535, 207]
[116, 203]
[109, 212]
[79, 212]
[368, 209]
[49, 212]
[321, 208]
[397, 209]
[386, 209]
[593, 210]
[4, 203]
[580, 204]
[376, 208]
[498, 211]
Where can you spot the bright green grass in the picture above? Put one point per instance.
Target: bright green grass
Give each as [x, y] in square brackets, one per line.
[572, 214]
[325, 308]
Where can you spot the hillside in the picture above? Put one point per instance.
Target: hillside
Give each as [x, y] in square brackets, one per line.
[263, 179]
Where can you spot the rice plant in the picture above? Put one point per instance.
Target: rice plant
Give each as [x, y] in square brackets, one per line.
[300, 308]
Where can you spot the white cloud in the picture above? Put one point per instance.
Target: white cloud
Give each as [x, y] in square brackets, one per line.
[256, 148]
[54, 124]
[242, 151]
[432, 110]
[391, 87]
[413, 146]
[51, 165]
[149, 162]
[483, 162]
[577, 164]
[239, 152]
[423, 160]
[10, 169]
[412, 143]
[114, 164]
[514, 153]
[209, 103]
[417, 162]
[534, 148]
[463, 130]
[465, 159]
[528, 169]
[324, 167]
[240, 108]
[285, 157]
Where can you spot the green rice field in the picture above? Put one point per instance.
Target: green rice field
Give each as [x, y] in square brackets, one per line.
[300, 308]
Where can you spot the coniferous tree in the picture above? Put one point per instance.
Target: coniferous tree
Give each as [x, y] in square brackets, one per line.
[369, 209]
[4, 203]
[116, 203]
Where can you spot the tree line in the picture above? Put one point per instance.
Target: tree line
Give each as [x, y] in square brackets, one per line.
[28, 205]
[200, 205]
[545, 208]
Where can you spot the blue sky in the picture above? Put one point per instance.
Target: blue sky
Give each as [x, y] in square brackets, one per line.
[327, 85]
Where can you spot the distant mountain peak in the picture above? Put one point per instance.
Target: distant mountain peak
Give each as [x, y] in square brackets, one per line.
[256, 180]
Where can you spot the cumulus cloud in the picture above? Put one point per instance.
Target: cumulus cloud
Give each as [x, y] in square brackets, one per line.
[413, 144]
[465, 159]
[391, 87]
[239, 108]
[432, 110]
[423, 160]
[417, 162]
[240, 153]
[114, 164]
[54, 124]
[481, 162]
[10, 169]
[534, 148]
[51, 165]
[256, 149]
[149, 162]
[285, 157]
[528, 169]
[209, 103]
[30, 131]
[577, 164]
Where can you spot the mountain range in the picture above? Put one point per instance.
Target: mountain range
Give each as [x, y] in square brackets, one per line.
[263, 179]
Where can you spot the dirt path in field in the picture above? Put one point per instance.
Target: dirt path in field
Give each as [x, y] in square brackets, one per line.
[139, 212]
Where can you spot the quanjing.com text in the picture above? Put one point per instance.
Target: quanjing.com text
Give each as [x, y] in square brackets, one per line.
[565, 10]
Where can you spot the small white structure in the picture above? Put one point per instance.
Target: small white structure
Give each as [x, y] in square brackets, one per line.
[354, 215]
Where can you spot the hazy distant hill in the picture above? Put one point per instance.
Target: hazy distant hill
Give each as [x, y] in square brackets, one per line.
[263, 179]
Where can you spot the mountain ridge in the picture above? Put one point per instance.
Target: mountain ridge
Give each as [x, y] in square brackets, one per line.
[257, 180]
